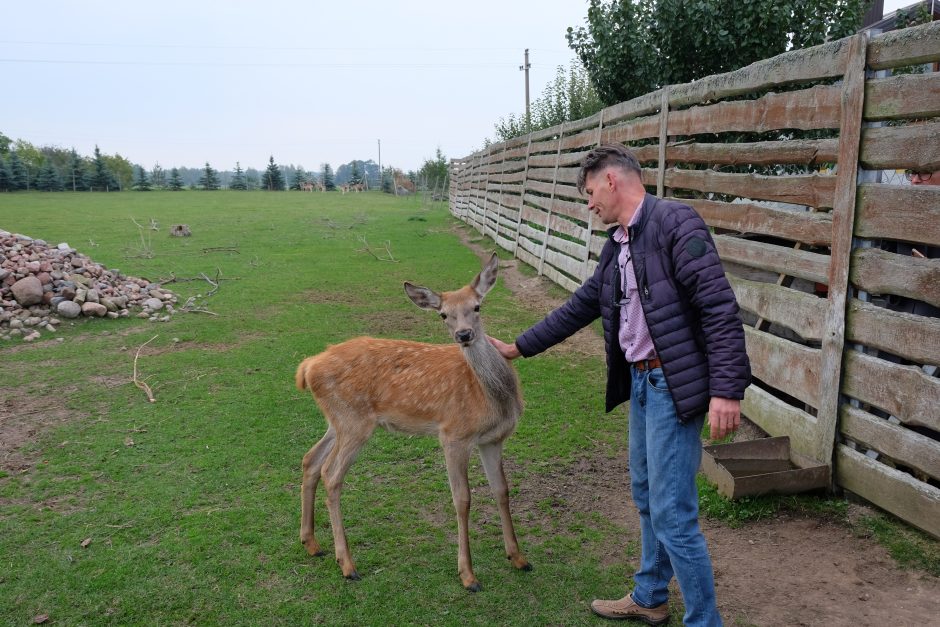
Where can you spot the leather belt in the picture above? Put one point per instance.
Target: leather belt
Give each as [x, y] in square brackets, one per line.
[648, 364]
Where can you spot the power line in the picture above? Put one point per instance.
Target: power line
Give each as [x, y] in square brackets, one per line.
[272, 64]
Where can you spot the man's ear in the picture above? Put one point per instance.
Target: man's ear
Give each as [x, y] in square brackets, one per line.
[423, 297]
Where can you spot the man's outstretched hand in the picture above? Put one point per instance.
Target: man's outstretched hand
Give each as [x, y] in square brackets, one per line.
[509, 351]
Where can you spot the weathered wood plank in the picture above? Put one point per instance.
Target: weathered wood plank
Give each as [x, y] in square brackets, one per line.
[771, 355]
[641, 128]
[814, 190]
[806, 152]
[916, 338]
[813, 108]
[903, 96]
[559, 278]
[908, 46]
[809, 228]
[798, 263]
[908, 214]
[880, 272]
[914, 146]
[798, 66]
[796, 310]
[843, 221]
[567, 191]
[777, 418]
[914, 501]
[908, 447]
[903, 391]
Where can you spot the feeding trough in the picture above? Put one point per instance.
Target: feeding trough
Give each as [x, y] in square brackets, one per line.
[762, 467]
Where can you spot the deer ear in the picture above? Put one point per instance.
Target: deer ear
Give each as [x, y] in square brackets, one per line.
[423, 297]
[487, 277]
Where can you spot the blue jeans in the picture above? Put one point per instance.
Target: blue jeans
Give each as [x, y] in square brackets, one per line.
[664, 459]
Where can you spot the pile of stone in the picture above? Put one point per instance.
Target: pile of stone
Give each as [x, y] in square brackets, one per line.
[42, 284]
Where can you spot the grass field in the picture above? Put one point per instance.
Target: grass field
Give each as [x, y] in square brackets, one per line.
[190, 506]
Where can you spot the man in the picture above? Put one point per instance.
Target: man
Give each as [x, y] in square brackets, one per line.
[675, 349]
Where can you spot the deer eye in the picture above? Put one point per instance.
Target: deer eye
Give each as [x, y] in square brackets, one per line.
[477, 308]
[443, 316]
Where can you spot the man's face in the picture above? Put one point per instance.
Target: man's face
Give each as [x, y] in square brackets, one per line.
[925, 178]
[597, 187]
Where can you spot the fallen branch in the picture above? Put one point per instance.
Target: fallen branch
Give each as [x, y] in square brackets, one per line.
[141, 384]
[368, 249]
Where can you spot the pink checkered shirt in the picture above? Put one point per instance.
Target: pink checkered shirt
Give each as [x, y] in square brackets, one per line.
[634, 335]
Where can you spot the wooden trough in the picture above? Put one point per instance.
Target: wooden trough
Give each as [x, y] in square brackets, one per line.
[762, 467]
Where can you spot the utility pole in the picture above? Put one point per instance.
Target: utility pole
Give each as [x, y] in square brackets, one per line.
[528, 118]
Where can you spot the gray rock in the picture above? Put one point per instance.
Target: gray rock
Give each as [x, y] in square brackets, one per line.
[94, 309]
[68, 309]
[27, 291]
[153, 304]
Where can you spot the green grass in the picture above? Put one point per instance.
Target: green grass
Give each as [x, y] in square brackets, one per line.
[197, 521]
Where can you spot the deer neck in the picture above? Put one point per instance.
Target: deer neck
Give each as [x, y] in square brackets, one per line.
[496, 376]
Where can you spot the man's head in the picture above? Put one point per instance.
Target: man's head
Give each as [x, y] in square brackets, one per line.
[924, 178]
[610, 178]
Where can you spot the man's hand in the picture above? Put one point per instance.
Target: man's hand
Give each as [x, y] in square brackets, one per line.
[724, 416]
[509, 351]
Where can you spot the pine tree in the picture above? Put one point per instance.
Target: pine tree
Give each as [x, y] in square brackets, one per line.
[356, 177]
[329, 184]
[176, 183]
[49, 179]
[75, 177]
[6, 179]
[300, 177]
[209, 180]
[19, 178]
[238, 180]
[272, 180]
[143, 183]
[101, 178]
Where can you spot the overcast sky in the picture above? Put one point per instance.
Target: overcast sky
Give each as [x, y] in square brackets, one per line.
[184, 82]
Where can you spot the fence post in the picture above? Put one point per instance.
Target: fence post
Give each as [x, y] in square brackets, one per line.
[589, 230]
[843, 226]
[663, 138]
[486, 184]
[551, 201]
[499, 204]
[525, 177]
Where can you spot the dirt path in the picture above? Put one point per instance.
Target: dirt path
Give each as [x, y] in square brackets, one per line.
[792, 570]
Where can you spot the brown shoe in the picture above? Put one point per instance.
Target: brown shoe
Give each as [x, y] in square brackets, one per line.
[627, 608]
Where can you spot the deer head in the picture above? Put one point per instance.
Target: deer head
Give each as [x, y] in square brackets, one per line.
[459, 309]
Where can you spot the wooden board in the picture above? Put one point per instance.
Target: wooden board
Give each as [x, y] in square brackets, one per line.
[908, 214]
[797, 263]
[798, 311]
[908, 447]
[771, 355]
[881, 272]
[903, 391]
[777, 418]
[814, 190]
[806, 227]
[916, 338]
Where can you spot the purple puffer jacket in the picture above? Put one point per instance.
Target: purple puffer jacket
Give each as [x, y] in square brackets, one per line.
[690, 310]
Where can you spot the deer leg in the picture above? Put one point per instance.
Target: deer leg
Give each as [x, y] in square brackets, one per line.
[457, 455]
[492, 457]
[333, 471]
[313, 462]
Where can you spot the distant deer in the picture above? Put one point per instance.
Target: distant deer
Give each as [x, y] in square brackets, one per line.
[465, 393]
[306, 186]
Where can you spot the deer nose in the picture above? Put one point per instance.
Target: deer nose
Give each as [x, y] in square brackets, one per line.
[464, 335]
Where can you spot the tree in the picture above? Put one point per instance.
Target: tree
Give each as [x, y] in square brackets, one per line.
[209, 180]
[31, 158]
[299, 178]
[176, 182]
[6, 178]
[329, 183]
[75, 172]
[238, 180]
[158, 177]
[355, 177]
[5, 143]
[101, 178]
[632, 47]
[434, 172]
[18, 175]
[272, 180]
[49, 179]
[143, 183]
[122, 169]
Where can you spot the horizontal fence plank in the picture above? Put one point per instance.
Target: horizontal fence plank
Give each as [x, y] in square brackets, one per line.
[777, 418]
[806, 227]
[908, 46]
[797, 66]
[908, 447]
[897, 492]
[814, 108]
[806, 152]
[798, 311]
[903, 96]
[787, 261]
[770, 355]
[814, 190]
[916, 338]
[914, 146]
[880, 272]
[909, 214]
[643, 128]
[903, 391]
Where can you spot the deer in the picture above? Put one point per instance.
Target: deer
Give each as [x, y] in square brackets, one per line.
[306, 186]
[465, 393]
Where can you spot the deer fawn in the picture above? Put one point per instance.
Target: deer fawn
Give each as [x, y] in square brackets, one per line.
[465, 393]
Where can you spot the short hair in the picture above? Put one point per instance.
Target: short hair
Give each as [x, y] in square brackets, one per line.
[606, 155]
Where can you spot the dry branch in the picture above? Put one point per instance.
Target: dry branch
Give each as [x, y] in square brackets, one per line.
[368, 249]
[141, 384]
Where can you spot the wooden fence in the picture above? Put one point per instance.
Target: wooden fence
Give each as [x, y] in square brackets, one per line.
[799, 214]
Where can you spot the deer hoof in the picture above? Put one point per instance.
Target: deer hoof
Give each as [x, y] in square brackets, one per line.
[353, 576]
[527, 567]
[474, 587]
